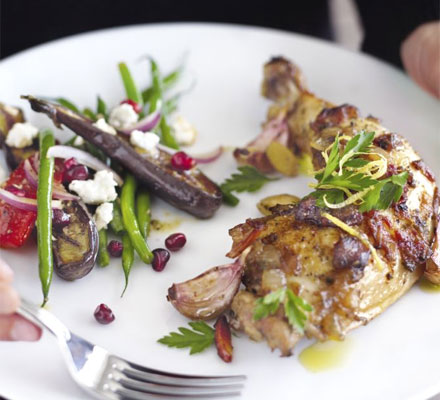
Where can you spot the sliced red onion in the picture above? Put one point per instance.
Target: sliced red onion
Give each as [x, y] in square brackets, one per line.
[166, 149]
[58, 191]
[23, 203]
[31, 175]
[148, 123]
[36, 161]
[83, 158]
[209, 157]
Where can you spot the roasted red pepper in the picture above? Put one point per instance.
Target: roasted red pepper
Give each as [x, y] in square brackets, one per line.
[16, 225]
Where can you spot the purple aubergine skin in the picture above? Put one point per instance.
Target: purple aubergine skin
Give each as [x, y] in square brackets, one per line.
[191, 191]
[85, 258]
[14, 156]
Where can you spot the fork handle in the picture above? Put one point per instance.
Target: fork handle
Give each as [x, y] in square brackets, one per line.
[44, 319]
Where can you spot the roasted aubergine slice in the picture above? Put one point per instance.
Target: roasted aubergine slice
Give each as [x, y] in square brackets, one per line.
[190, 191]
[8, 117]
[75, 246]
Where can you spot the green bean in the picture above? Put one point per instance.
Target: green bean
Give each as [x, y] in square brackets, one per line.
[167, 82]
[95, 151]
[156, 94]
[87, 112]
[70, 141]
[68, 104]
[230, 199]
[130, 222]
[101, 107]
[143, 212]
[44, 213]
[170, 105]
[167, 138]
[129, 84]
[170, 79]
[103, 256]
[127, 258]
[116, 223]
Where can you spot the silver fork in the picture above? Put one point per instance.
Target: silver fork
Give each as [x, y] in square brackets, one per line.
[107, 376]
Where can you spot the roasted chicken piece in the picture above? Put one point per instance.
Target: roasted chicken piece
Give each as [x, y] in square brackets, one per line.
[325, 265]
[298, 245]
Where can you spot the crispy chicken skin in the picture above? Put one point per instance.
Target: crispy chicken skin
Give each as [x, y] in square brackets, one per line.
[297, 247]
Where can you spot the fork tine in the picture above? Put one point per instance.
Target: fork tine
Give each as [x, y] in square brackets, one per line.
[182, 383]
[120, 384]
[166, 378]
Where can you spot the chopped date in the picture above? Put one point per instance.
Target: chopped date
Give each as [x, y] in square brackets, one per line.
[380, 229]
[387, 141]
[349, 252]
[334, 116]
[413, 249]
[307, 211]
[223, 339]
[424, 169]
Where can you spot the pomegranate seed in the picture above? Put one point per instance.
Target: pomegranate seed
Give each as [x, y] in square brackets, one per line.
[115, 248]
[70, 163]
[60, 219]
[175, 241]
[15, 190]
[182, 161]
[136, 107]
[160, 259]
[103, 314]
[76, 173]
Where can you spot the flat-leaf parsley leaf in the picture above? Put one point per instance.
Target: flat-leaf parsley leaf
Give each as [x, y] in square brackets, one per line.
[295, 307]
[198, 339]
[248, 180]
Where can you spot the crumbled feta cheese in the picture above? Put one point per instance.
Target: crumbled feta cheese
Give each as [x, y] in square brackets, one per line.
[123, 116]
[79, 141]
[103, 215]
[147, 141]
[184, 132]
[104, 126]
[21, 135]
[98, 190]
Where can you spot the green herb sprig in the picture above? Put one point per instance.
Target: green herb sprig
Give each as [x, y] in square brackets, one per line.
[341, 177]
[249, 179]
[198, 339]
[294, 307]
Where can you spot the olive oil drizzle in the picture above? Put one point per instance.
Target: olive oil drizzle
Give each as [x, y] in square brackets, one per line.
[428, 287]
[324, 356]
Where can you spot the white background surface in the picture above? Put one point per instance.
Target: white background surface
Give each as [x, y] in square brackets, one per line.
[395, 357]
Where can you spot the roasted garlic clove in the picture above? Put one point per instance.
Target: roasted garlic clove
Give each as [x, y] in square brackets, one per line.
[209, 294]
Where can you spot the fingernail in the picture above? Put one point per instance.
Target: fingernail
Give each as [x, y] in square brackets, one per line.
[9, 300]
[24, 330]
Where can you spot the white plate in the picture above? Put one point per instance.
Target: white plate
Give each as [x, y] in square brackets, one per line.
[394, 357]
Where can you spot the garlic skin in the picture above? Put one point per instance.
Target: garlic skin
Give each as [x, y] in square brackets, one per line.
[206, 296]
